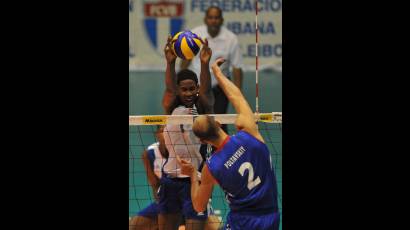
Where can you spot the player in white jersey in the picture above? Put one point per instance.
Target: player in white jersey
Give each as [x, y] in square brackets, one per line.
[179, 139]
[183, 96]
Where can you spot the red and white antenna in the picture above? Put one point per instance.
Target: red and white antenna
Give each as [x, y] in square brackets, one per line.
[256, 55]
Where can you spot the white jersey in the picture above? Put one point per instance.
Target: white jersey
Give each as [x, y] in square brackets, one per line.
[156, 159]
[224, 45]
[180, 140]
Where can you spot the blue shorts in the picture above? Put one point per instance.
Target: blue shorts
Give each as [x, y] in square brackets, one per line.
[175, 196]
[151, 211]
[236, 221]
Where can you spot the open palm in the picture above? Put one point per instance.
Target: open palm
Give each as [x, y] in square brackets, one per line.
[169, 54]
[206, 52]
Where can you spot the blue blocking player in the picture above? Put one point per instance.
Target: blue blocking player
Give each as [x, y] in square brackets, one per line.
[241, 166]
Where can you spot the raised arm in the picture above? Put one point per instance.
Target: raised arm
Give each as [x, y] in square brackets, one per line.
[206, 96]
[246, 119]
[237, 77]
[169, 96]
[235, 57]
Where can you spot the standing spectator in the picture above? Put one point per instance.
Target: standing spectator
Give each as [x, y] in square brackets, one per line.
[224, 44]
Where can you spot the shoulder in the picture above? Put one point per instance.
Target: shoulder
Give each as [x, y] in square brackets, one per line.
[203, 106]
[153, 146]
[180, 110]
[228, 34]
[152, 151]
[245, 136]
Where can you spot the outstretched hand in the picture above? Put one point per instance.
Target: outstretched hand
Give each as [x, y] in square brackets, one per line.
[218, 62]
[206, 53]
[169, 54]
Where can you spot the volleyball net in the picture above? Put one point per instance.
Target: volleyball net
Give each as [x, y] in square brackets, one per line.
[142, 133]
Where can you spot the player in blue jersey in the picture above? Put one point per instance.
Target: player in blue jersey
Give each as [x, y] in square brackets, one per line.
[241, 166]
[153, 158]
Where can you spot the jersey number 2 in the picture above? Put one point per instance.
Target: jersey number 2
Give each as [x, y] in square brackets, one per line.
[251, 182]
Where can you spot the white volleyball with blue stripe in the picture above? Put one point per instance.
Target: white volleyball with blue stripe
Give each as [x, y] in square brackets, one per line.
[186, 44]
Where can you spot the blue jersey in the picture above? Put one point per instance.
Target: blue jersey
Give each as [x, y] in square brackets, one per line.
[242, 167]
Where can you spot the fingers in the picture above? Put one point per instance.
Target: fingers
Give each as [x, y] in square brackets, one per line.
[206, 52]
[169, 39]
[168, 44]
[182, 161]
[205, 46]
[179, 160]
[186, 166]
[220, 61]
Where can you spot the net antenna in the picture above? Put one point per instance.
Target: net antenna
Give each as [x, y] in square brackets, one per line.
[256, 57]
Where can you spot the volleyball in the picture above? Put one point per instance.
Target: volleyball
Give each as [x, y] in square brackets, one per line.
[186, 44]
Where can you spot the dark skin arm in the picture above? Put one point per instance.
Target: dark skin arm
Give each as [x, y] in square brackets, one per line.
[206, 97]
[169, 96]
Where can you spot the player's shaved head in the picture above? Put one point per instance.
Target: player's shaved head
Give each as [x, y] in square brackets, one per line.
[206, 128]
